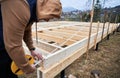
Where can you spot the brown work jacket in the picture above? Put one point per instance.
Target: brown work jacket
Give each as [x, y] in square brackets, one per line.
[16, 15]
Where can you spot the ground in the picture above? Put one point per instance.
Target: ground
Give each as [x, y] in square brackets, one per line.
[106, 60]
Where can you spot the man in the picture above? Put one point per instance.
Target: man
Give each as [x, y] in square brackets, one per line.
[16, 18]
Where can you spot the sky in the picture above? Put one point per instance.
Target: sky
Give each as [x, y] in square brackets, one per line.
[81, 4]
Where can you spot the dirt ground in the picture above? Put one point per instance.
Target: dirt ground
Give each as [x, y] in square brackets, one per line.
[106, 60]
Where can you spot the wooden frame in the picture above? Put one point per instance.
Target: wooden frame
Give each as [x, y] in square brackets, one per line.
[65, 43]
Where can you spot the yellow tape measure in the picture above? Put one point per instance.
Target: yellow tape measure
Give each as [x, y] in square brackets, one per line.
[16, 70]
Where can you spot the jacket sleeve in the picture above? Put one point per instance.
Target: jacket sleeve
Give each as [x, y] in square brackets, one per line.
[28, 37]
[15, 15]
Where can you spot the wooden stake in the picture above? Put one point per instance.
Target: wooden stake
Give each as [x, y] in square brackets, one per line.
[108, 27]
[116, 22]
[90, 29]
[36, 32]
[105, 13]
[103, 31]
[96, 35]
[108, 34]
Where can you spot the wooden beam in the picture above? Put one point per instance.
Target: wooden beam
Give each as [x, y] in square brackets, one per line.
[59, 34]
[45, 47]
[66, 36]
[47, 43]
[65, 30]
[56, 68]
[72, 31]
[83, 29]
[55, 39]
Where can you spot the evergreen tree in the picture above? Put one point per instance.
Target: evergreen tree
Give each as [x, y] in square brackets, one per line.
[97, 11]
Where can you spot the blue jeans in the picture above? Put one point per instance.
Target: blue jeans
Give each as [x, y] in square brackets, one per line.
[5, 66]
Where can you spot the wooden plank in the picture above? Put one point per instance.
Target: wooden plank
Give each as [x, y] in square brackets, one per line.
[65, 30]
[76, 37]
[50, 35]
[59, 34]
[55, 69]
[66, 35]
[85, 33]
[83, 29]
[71, 31]
[55, 39]
[47, 43]
[71, 28]
[45, 47]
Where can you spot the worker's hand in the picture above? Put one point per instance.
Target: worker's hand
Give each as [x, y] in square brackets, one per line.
[36, 55]
[32, 70]
[29, 74]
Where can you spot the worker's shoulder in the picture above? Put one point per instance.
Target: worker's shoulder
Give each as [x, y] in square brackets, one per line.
[1, 1]
[6, 0]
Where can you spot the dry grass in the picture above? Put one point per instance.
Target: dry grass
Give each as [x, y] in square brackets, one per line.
[106, 60]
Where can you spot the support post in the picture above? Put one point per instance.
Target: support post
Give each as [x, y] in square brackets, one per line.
[95, 42]
[103, 31]
[108, 36]
[97, 45]
[118, 28]
[62, 74]
[113, 32]
[36, 32]
[116, 19]
[104, 21]
[39, 73]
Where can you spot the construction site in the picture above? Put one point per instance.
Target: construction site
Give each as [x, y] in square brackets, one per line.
[60, 39]
[78, 49]
[63, 42]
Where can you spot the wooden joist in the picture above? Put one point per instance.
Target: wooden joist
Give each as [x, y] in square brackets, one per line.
[64, 42]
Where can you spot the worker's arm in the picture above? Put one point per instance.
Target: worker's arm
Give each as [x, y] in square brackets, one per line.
[29, 42]
[28, 37]
[15, 14]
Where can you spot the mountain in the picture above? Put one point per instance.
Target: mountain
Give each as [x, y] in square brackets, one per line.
[69, 9]
[115, 9]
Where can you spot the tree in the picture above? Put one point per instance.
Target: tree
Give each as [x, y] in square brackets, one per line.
[97, 11]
